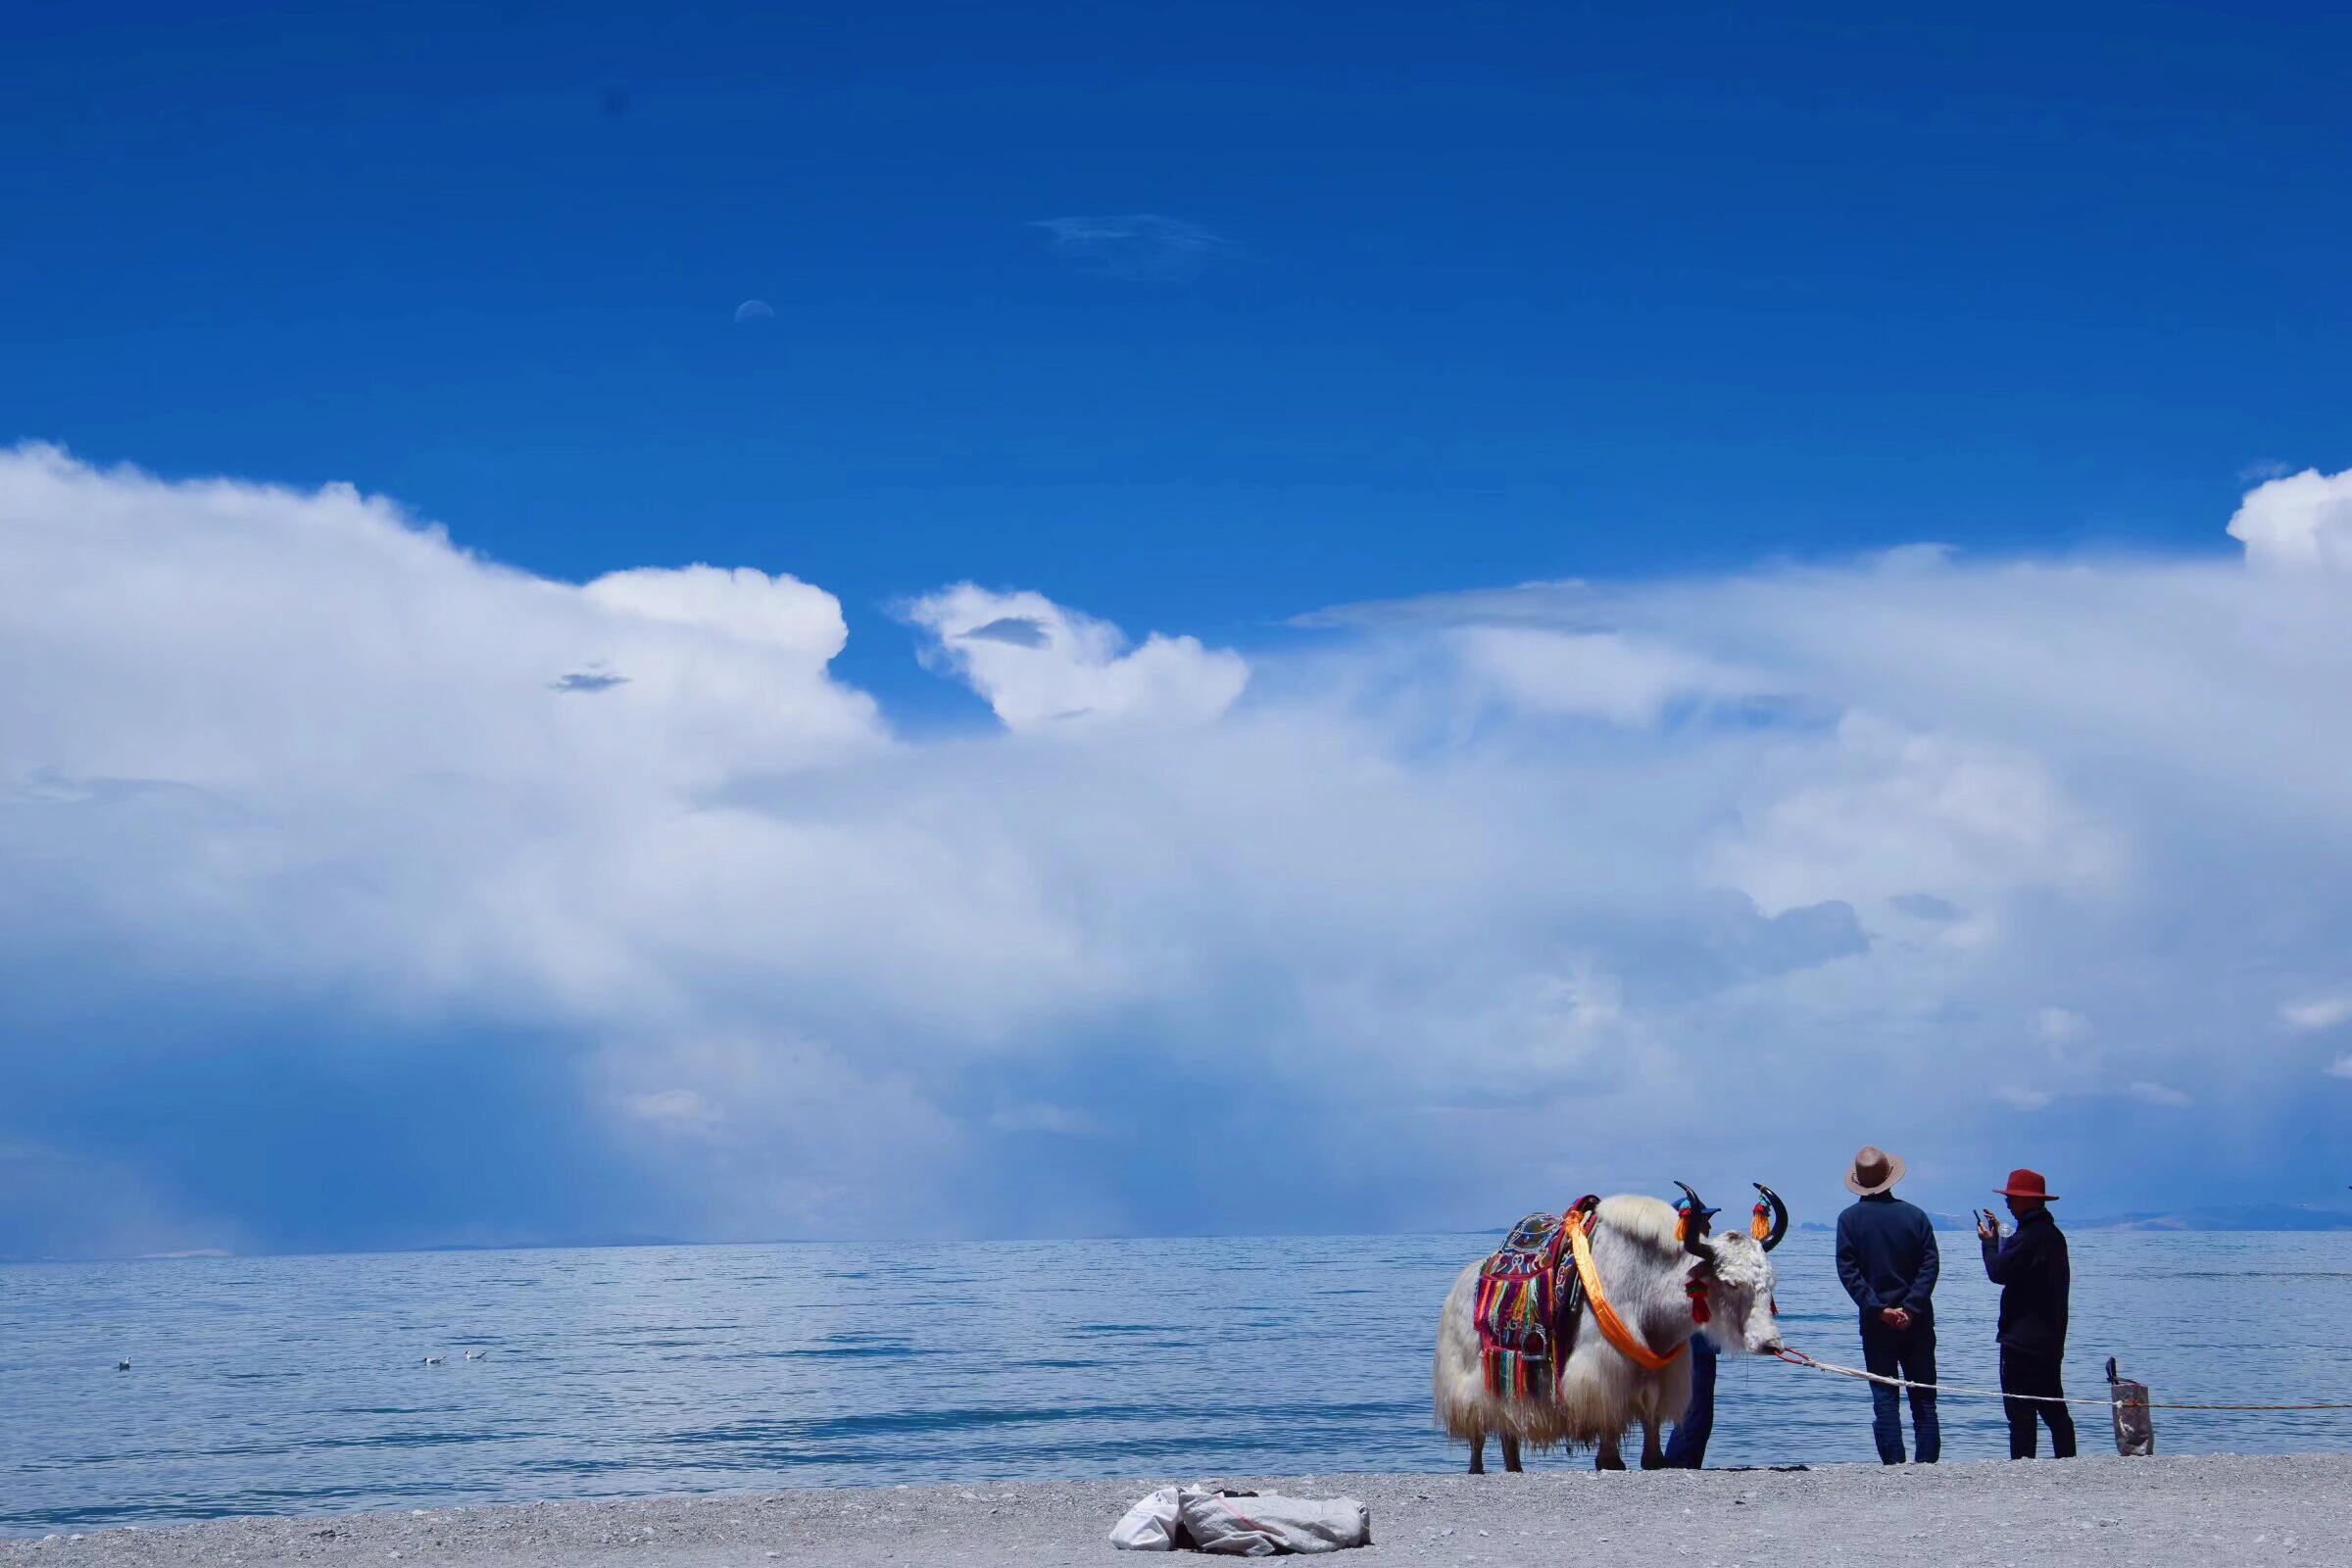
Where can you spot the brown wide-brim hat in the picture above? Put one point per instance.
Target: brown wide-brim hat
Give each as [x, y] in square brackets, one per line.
[2025, 1183]
[1875, 1170]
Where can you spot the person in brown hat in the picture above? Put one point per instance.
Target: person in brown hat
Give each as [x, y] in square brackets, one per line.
[2031, 1268]
[1887, 1261]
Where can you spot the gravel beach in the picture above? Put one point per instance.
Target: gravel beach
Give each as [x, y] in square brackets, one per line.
[2154, 1512]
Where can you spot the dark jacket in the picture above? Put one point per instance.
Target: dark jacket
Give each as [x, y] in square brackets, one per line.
[1886, 1258]
[2031, 1268]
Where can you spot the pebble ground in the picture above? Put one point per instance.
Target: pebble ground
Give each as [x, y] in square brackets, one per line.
[2162, 1512]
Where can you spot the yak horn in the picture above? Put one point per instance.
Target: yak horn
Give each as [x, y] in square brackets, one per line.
[1694, 1225]
[1780, 1217]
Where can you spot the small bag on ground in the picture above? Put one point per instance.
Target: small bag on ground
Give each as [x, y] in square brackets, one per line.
[1150, 1525]
[2135, 1422]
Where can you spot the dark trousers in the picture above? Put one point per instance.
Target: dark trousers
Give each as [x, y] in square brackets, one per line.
[2035, 1374]
[1908, 1354]
[1687, 1448]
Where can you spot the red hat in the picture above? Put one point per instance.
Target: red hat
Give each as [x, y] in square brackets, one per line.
[2023, 1183]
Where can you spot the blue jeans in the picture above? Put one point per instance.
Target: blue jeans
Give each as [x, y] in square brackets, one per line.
[1911, 1354]
[1687, 1445]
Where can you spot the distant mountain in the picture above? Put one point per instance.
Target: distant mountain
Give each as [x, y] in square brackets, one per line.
[559, 1244]
[2225, 1217]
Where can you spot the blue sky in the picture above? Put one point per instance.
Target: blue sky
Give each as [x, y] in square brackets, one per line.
[1504, 292]
[1187, 321]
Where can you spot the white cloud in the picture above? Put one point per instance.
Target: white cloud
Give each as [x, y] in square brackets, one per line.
[221, 634]
[2300, 522]
[1833, 841]
[1043, 1119]
[1140, 247]
[2061, 1027]
[681, 1110]
[739, 605]
[295, 721]
[1880, 810]
[2319, 1012]
[1593, 674]
[2341, 1068]
[1040, 665]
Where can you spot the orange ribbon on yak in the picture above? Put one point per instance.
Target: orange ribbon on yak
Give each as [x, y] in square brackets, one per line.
[1612, 1327]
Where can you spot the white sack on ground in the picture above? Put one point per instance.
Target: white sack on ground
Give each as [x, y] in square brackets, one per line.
[1241, 1524]
[1149, 1526]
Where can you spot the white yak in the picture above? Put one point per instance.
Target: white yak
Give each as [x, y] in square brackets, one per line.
[1653, 1281]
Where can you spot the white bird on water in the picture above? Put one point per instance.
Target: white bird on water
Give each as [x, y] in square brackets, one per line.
[476, 1356]
[432, 1361]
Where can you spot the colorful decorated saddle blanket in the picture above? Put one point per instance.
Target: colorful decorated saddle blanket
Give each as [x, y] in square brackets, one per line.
[1529, 1300]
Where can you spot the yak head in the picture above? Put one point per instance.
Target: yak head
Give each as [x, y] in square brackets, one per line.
[1730, 1280]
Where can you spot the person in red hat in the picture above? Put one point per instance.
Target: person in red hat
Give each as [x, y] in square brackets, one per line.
[2031, 1268]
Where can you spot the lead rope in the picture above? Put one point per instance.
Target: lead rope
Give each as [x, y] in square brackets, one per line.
[1801, 1358]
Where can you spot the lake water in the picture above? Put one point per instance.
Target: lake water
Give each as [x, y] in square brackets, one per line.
[296, 1384]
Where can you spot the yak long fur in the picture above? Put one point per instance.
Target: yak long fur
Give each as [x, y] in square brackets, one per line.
[1601, 1392]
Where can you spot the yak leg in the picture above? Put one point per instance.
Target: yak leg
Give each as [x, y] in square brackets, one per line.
[1653, 1457]
[1477, 1454]
[1510, 1454]
[1605, 1456]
